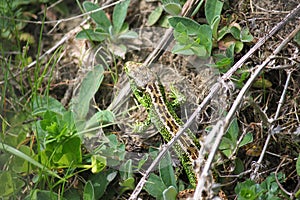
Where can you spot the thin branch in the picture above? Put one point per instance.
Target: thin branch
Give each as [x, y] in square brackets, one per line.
[261, 41]
[225, 124]
[257, 166]
[216, 87]
[277, 181]
[277, 50]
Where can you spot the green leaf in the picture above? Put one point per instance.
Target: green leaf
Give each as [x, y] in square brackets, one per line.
[88, 88]
[297, 38]
[99, 17]
[297, 194]
[223, 32]
[239, 166]
[235, 32]
[192, 27]
[16, 152]
[101, 180]
[127, 184]
[142, 161]
[170, 193]
[247, 194]
[88, 193]
[166, 171]
[223, 64]
[164, 21]
[233, 130]
[43, 194]
[20, 165]
[238, 46]
[215, 25]
[172, 8]
[246, 35]
[270, 186]
[67, 153]
[182, 49]
[298, 165]
[128, 35]
[98, 163]
[73, 194]
[41, 104]
[92, 35]
[248, 138]
[199, 50]
[261, 83]
[100, 117]
[228, 142]
[124, 29]
[155, 186]
[230, 52]
[126, 170]
[246, 190]
[227, 146]
[181, 35]
[10, 184]
[119, 15]
[118, 49]
[114, 151]
[154, 16]
[204, 37]
[213, 9]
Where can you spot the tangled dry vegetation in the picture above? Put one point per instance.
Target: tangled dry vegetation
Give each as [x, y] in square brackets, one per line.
[265, 104]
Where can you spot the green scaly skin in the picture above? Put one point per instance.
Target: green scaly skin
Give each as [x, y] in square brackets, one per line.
[148, 91]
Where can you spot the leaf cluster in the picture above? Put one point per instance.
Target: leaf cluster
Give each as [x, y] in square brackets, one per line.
[112, 31]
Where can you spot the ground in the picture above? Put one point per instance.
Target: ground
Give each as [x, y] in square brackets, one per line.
[268, 111]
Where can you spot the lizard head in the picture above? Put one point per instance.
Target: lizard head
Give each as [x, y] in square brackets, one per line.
[139, 73]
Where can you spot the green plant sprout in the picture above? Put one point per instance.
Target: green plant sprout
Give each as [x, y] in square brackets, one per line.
[268, 189]
[111, 31]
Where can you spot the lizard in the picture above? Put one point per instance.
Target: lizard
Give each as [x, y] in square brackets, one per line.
[150, 93]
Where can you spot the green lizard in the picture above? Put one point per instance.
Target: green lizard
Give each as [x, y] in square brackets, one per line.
[150, 93]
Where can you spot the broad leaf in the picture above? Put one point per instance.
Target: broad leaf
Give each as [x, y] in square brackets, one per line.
[88, 193]
[126, 170]
[101, 180]
[182, 49]
[170, 193]
[297, 38]
[88, 88]
[154, 16]
[246, 35]
[128, 35]
[155, 186]
[20, 165]
[98, 163]
[166, 171]
[248, 138]
[213, 9]
[298, 165]
[192, 27]
[119, 15]
[90, 34]
[43, 194]
[67, 153]
[41, 104]
[172, 8]
[100, 117]
[99, 17]
[233, 130]
[9, 184]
